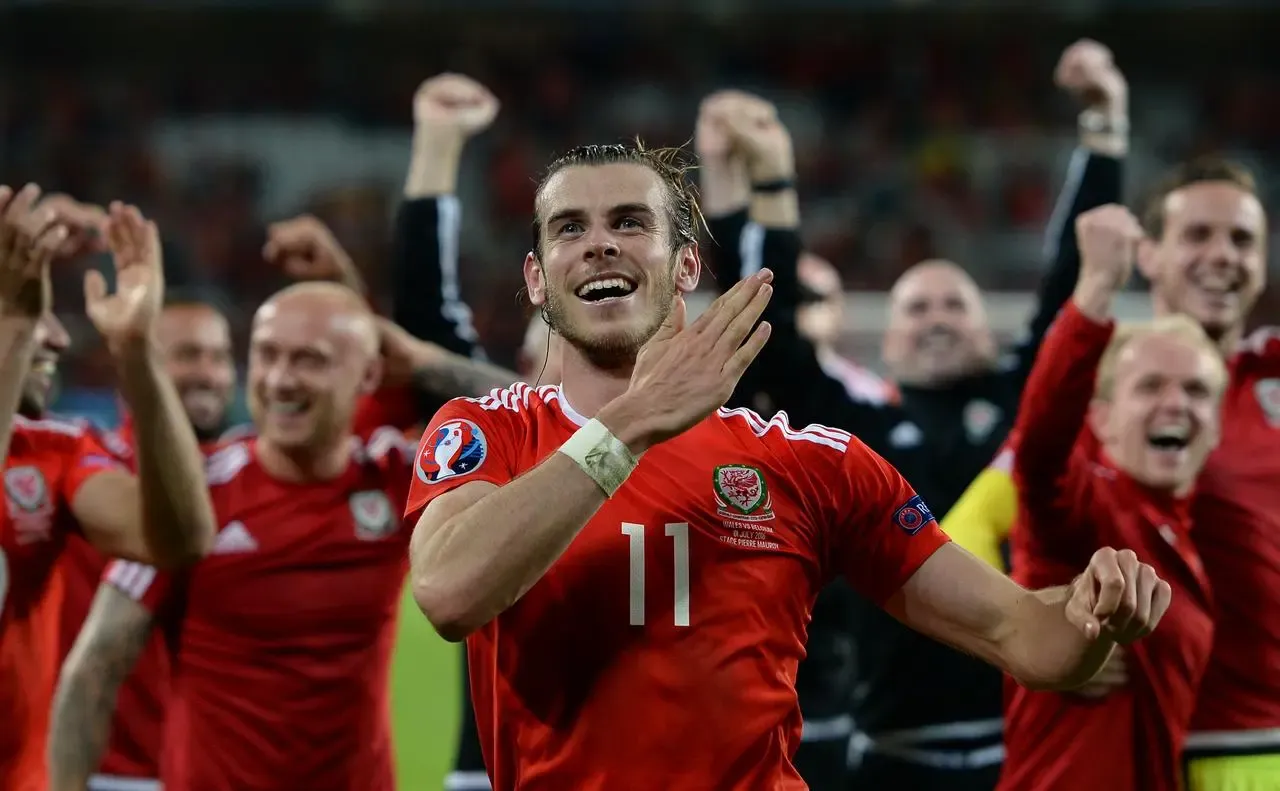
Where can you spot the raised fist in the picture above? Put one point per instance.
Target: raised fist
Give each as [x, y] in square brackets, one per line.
[712, 139]
[755, 130]
[1108, 237]
[1117, 597]
[454, 102]
[1088, 71]
[306, 249]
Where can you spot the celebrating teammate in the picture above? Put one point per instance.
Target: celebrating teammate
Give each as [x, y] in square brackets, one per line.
[564, 532]
[1114, 464]
[58, 477]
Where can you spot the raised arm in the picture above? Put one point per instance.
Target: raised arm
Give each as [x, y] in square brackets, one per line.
[1095, 177]
[448, 110]
[724, 185]
[163, 515]
[1056, 402]
[478, 548]
[109, 644]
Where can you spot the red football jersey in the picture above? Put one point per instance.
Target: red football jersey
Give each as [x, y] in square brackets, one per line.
[1073, 501]
[284, 632]
[1237, 517]
[48, 462]
[660, 650]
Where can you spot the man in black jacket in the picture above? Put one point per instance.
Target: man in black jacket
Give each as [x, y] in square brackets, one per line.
[927, 717]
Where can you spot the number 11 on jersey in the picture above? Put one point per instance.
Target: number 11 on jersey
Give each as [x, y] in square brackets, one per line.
[678, 532]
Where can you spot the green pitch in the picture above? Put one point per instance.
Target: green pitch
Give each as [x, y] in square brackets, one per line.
[424, 701]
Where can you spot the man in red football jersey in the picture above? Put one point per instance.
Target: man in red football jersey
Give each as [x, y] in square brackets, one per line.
[1115, 425]
[566, 531]
[1205, 256]
[58, 477]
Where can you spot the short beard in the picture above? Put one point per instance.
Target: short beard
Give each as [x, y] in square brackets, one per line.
[618, 350]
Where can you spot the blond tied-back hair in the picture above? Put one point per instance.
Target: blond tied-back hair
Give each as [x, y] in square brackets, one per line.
[1176, 326]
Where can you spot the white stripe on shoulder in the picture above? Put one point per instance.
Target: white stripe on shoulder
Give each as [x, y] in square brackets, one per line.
[815, 433]
[130, 578]
[69, 428]
[516, 398]
[224, 464]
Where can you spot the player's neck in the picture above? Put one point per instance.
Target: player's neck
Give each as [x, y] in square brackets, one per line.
[1228, 342]
[304, 465]
[587, 386]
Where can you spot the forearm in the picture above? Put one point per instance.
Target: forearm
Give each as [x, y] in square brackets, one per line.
[17, 344]
[104, 654]
[454, 376]
[433, 167]
[724, 186]
[1043, 650]
[482, 560]
[175, 514]
[776, 210]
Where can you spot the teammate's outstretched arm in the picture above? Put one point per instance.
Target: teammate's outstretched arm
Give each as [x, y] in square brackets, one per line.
[163, 515]
[477, 549]
[29, 238]
[1057, 638]
[104, 654]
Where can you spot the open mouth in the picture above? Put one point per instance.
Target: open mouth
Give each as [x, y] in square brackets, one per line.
[605, 289]
[45, 366]
[288, 409]
[1169, 438]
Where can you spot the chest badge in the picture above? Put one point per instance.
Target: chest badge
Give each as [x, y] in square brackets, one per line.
[980, 417]
[742, 494]
[372, 514]
[30, 506]
[1268, 394]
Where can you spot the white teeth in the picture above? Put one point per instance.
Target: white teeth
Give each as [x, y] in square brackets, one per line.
[1171, 432]
[45, 367]
[606, 283]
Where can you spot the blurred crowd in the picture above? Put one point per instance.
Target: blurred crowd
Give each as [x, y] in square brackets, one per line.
[916, 136]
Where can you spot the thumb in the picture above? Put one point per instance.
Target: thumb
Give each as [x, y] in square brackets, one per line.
[95, 289]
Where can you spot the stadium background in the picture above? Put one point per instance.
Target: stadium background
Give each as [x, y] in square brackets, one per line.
[922, 129]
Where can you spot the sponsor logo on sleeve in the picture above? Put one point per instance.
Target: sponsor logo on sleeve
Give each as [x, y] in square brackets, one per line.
[913, 515]
[455, 448]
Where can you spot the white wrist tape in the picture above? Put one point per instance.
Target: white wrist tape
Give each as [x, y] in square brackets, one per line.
[601, 455]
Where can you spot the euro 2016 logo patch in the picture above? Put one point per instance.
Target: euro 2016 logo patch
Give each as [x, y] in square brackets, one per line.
[913, 515]
[455, 448]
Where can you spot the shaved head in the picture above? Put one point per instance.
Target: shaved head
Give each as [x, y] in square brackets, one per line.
[344, 311]
[938, 329]
[313, 353]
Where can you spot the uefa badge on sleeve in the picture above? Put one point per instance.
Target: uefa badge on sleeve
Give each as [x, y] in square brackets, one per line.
[455, 448]
[372, 514]
[913, 515]
[1268, 393]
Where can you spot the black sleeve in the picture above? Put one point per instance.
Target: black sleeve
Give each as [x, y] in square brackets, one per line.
[1093, 180]
[724, 246]
[427, 299]
[787, 376]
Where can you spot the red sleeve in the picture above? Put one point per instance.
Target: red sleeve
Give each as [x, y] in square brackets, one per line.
[463, 443]
[88, 456]
[884, 531]
[144, 584]
[389, 406]
[1055, 402]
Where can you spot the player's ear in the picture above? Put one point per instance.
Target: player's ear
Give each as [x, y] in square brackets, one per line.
[687, 268]
[1100, 419]
[372, 378]
[535, 280]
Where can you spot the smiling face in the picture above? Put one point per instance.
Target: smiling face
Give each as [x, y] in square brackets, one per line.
[607, 267]
[312, 353]
[1157, 407]
[938, 329]
[51, 340]
[1207, 257]
[195, 343]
